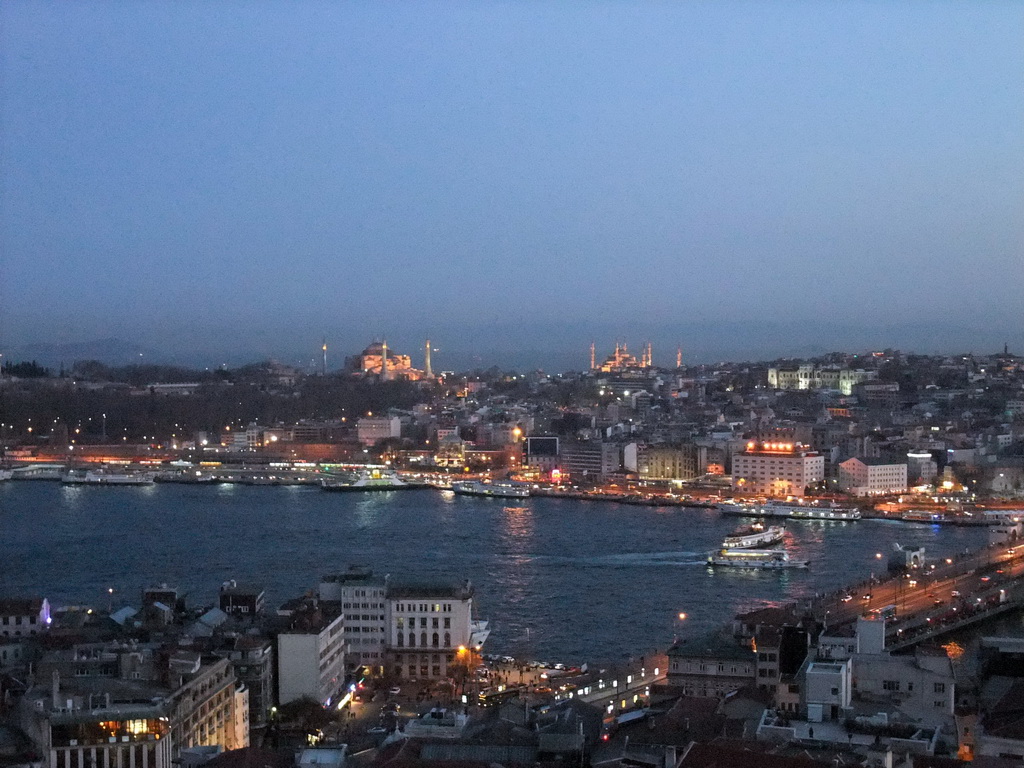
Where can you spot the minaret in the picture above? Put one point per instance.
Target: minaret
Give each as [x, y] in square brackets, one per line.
[679, 357]
[427, 371]
[384, 360]
[592, 365]
[643, 357]
[323, 371]
[650, 356]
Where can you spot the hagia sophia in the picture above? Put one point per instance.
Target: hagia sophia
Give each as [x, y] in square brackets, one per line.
[378, 360]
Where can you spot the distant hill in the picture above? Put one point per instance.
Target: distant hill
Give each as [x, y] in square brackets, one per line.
[107, 351]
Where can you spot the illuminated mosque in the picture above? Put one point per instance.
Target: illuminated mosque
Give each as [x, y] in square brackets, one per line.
[378, 360]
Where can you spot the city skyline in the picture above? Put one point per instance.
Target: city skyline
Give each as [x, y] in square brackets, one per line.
[513, 182]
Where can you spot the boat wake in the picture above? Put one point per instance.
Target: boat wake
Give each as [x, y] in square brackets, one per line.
[627, 559]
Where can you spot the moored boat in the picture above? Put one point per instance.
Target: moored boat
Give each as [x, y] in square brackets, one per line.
[107, 477]
[500, 489]
[791, 510]
[371, 479]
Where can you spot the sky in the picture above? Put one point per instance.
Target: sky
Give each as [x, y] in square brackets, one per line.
[512, 179]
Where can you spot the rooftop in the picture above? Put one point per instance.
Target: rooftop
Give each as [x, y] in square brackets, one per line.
[431, 590]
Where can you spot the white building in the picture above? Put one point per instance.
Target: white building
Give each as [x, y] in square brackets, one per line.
[372, 429]
[429, 630]
[311, 655]
[776, 469]
[360, 595]
[872, 477]
[828, 689]
[810, 376]
[23, 617]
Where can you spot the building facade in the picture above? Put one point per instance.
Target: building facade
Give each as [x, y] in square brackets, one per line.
[684, 462]
[373, 429]
[710, 666]
[776, 469]
[23, 617]
[872, 477]
[429, 630]
[311, 656]
[360, 596]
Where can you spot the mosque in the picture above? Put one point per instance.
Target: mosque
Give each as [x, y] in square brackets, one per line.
[378, 360]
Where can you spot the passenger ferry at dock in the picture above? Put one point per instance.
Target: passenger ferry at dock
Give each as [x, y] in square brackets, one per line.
[764, 559]
[506, 490]
[107, 477]
[754, 536]
[792, 510]
[373, 478]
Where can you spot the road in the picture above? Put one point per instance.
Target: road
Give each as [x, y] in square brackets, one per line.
[975, 576]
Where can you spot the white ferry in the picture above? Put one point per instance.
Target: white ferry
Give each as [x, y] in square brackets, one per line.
[500, 489]
[372, 479]
[106, 477]
[766, 559]
[5, 474]
[754, 537]
[791, 510]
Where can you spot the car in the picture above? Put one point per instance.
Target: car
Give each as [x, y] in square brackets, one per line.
[985, 578]
[377, 730]
[937, 601]
[955, 593]
[391, 707]
[866, 597]
[394, 690]
[847, 598]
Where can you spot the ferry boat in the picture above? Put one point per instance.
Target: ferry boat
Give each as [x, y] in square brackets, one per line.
[766, 559]
[791, 510]
[371, 479]
[106, 477]
[754, 537]
[5, 474]
[480, 488]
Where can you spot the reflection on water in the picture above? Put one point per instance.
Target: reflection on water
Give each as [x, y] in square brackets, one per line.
[558, 579]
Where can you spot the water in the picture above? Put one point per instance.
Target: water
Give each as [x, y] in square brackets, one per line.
[560, 580]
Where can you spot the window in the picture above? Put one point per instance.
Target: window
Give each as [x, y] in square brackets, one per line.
[435, 640]
[412, 639]
[433, 623]
[447, 639]
[890, 685]
[940, 687]
[447, 622]
[940, 704]
[423, 639]
[835, 691]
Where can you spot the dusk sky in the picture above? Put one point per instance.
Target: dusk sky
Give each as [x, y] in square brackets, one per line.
[512, 179]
